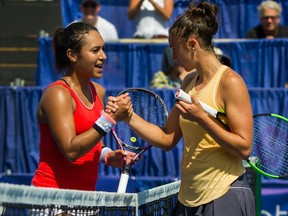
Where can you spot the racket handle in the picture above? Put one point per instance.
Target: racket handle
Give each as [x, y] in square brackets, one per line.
[123, 182]
[181, 95]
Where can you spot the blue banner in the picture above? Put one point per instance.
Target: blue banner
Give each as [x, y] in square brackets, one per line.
[235, 16]
[274, 197]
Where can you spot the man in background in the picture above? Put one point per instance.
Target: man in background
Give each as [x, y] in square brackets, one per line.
[171, 75]
[269, 27]
[90, 10]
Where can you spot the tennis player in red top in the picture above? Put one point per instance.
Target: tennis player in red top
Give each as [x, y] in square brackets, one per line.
[70, 114]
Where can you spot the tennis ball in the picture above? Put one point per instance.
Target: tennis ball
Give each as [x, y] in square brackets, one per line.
[133, 139]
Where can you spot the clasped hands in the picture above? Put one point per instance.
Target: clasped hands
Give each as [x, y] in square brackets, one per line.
[120, 109]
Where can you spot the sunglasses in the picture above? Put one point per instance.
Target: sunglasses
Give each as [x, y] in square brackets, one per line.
[270, 17]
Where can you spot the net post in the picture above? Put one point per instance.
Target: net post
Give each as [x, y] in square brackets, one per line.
[258, 193]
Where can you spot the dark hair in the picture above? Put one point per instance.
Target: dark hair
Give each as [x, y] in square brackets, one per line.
[199, 21]
[71, 37]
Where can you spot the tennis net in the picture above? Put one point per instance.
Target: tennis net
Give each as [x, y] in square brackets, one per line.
[25, 200]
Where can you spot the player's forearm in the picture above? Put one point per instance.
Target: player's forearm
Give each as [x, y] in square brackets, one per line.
[151, 133]
[76, 147]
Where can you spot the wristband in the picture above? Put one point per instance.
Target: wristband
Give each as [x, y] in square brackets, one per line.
[104, 152]
[99, 129]
[104, 124]
[109, 118]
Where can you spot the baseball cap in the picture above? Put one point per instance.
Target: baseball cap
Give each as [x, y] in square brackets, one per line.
[90, 2]
[224, 59]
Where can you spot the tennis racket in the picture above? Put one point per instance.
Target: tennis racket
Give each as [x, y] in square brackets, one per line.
[149, 106]
[181, 95]
[269, 155]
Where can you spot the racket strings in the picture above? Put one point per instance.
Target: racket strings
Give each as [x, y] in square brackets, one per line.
[270, 145]
[268, 161]
[273, 132]
[147, 106]
[151, 108]
[273, 143]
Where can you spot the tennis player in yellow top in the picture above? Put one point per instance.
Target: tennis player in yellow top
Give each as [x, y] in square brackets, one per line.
[213, 181]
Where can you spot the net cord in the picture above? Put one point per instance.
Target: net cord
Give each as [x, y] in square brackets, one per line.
[30, 195]
[23, 194]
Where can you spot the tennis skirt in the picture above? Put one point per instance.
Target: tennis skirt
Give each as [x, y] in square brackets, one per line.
[238, 201]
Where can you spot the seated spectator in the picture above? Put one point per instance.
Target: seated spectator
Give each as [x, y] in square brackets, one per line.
[170, 79]
[152, 17]
[269, 27]
[90, 10]
[223, 58]
[171, 75]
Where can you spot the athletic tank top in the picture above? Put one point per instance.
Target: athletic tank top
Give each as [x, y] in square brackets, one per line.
[54, 170]
[207, 170]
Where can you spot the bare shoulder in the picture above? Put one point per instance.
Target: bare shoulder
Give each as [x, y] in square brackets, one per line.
[231, 79]
[232, 88]
[54, 98]
[56, 92]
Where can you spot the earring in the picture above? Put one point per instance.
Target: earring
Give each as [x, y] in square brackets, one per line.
[193, 49]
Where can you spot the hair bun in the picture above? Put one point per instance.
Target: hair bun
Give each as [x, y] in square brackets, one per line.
[209, 12]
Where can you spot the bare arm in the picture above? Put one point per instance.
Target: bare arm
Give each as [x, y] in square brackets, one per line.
[134, 8]
[239, 114]
[237, 141]
[167, 10]
[163, 137]
[56, 109]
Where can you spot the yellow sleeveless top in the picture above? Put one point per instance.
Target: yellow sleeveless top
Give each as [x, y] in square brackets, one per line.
[207, 170]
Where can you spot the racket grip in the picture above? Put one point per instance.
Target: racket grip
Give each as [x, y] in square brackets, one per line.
[181, 95]
[123, 182]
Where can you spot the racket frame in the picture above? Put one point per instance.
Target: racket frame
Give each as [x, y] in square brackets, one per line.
[181, 95]
[124, 178]
[252, 160]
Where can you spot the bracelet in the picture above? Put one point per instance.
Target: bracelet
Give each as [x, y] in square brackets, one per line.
[104, 152]
[104, 124]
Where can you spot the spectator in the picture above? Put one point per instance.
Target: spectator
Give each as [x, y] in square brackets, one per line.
[223, 58]
[269, 27]
[152, 17]
[172, 73]
[90, 10]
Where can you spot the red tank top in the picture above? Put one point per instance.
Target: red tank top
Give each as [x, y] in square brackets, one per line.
[54, 170]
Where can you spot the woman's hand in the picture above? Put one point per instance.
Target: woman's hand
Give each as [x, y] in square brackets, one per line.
[119, 108]
[193, 111]
[114, 158]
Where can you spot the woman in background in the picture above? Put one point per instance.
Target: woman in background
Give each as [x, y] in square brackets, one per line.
[152, 17]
